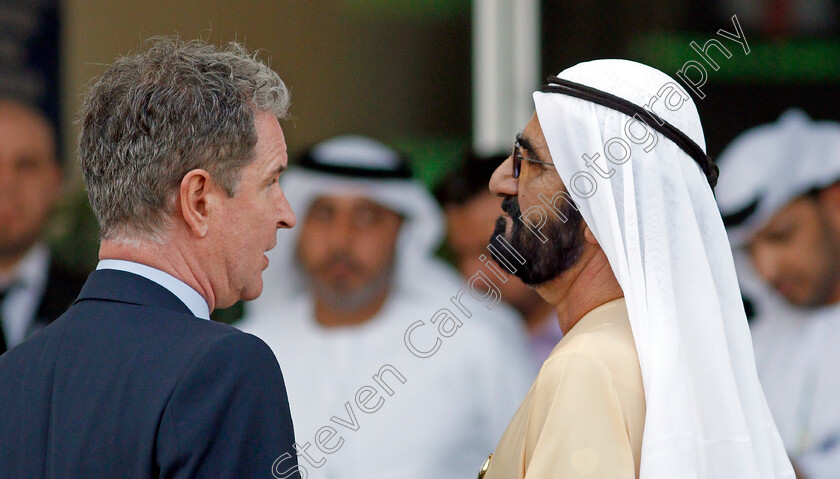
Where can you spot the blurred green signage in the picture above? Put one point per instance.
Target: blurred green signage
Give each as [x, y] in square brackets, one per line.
[776, 61]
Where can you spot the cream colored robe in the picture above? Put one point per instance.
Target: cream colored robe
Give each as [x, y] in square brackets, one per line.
[585, 413]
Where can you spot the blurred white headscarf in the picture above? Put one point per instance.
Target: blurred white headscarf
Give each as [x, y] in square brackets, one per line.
[359, 166]
[767, 167]
[657, 221]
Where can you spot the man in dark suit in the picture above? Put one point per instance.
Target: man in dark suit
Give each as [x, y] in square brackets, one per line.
[34, 288]
[181, 149]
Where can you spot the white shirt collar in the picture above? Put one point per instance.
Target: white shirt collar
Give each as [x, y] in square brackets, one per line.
[27, 284]
[31, 271]
[190, 297]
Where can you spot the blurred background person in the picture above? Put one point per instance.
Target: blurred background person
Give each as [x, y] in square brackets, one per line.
[34, 288]
[779, 193]
[355, 294]
[471, 211]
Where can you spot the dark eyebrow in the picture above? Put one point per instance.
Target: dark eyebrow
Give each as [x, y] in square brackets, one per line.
[526, 143]
[277, 171]
[523, 141]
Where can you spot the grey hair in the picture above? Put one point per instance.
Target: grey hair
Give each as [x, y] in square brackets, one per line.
[154, 116]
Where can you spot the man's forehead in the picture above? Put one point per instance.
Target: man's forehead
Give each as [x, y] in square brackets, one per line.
[25, 132]
[25, 118]
[797, 209]
[533, 131]
[270, 139]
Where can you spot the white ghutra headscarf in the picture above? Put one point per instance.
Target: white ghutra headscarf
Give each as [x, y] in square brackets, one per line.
[657, 221]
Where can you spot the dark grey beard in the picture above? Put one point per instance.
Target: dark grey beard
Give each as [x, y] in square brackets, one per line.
[543, 261]
[351, 301]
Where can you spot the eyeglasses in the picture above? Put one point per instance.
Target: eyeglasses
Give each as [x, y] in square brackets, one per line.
[517, 160]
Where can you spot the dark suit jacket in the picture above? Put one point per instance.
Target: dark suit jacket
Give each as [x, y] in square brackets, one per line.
[62, 288]
[128, 383]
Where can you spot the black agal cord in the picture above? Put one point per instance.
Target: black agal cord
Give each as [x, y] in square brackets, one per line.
[692, 149]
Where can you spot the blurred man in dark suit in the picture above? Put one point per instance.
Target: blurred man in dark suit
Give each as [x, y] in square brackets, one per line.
[181, 150]
[34, 288]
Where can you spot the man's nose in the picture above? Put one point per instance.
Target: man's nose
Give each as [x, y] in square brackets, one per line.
[502, 183]
[342, 231]
[286, 217]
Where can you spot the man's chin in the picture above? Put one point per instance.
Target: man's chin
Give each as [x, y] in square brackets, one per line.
[507, 262]
[531, 273]
[802, 302]
[251, 292]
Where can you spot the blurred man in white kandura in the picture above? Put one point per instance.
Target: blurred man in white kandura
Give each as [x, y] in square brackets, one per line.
[401, 370]
[780, 197]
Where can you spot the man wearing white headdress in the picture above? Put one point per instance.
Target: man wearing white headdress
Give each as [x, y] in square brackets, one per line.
[395, 367]
[612, 209]
[780, 197]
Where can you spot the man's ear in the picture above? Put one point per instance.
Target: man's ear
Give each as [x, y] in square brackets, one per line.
[194, 200]
[588, 235]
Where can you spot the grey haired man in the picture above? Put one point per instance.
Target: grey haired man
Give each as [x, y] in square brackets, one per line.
[181, 150]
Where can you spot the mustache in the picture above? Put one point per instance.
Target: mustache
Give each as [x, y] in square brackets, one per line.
[342, 259]
[510, 205]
